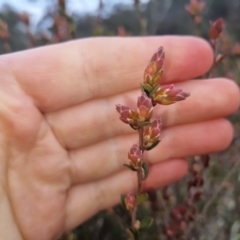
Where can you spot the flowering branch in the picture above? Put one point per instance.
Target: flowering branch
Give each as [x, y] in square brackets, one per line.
[214, 33]
[148, 130]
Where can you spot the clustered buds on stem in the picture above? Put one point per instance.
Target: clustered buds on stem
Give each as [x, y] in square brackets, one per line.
[130, 202]
[214, 34]
[134, 157]
[163, 95]
[141, 116]
[154, 70]
[195, 8]
[151, 134]
[149, 131]
[127, 115]
[168, 95]
[144, 108]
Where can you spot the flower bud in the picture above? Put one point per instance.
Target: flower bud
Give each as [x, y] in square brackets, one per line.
[216, 29]
[175, 214]
[134, 157]
[144, 108]
[154, 70]
[151, 134]
[130, 201]
[183, 226]
[127, 115]
[182, 209]
[169, 95]
[170, 233]
[196, 196]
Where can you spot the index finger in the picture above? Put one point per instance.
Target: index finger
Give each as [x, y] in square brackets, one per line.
[70, 73]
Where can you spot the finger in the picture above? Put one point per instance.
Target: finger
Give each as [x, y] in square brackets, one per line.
[108, 157]
[86, 200]
[208, 100]
[70, 73]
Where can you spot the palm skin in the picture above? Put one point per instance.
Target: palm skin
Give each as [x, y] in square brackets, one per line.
[62, 145]
[35, 166]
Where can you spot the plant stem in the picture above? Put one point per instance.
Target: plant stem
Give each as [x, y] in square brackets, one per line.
[139, 172]
[212, 71]
[139, 176]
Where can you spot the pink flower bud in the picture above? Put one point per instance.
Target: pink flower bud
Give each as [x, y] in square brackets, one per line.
[216, 29]
[144, 108]
[127, 115]
[151, 133]
[134, 156]
[169, 95]
[130, 201]
[154, 70]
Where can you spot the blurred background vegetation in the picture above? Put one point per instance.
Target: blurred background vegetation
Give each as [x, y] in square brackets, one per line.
[216, 212]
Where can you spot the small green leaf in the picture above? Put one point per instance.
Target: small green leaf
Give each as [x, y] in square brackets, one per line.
[146, 223]
[147, 88]
[142, 198]
[130, 234]
[135, 233]
[143, 124]
[123, 200]
[153, 145]
[130, 167]
[145, 170]
[154, 90]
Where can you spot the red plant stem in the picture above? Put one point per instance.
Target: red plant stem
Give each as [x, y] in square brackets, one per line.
[212, 71]
[139, 175]
[139, 172]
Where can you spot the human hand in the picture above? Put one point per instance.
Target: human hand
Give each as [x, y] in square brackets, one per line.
[62, 144]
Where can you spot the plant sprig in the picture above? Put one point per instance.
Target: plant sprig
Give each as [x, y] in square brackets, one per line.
[149, 130]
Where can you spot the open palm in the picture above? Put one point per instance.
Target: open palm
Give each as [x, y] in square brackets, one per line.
[62, 145]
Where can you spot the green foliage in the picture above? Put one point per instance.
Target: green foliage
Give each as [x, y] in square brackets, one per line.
[142, 198]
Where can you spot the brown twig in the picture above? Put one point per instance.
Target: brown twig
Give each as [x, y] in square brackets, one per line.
[214, 44]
